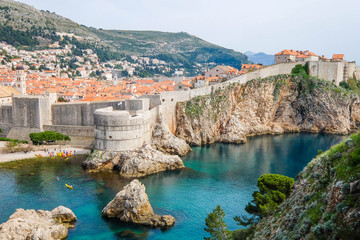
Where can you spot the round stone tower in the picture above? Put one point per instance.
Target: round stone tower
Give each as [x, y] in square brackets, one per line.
[119, 131]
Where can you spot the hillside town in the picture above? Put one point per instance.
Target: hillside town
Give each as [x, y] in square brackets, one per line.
[78, 75]
[85, 78]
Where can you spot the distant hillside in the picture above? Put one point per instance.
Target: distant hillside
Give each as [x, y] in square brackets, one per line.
[32, 28]
[262, 58]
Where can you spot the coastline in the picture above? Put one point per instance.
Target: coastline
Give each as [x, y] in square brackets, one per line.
[11, 157]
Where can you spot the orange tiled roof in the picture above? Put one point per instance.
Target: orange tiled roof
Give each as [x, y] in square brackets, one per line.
[296, 53]
[338, 56]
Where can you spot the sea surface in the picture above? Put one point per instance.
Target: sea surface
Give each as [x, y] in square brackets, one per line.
[224, 174]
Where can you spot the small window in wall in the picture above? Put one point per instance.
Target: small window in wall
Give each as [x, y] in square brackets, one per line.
[110, 137]
[163, 100]
[172, 99]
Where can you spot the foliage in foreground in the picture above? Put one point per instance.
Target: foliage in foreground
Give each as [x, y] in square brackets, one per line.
[216, 225]
[47, 137]
[274, 188]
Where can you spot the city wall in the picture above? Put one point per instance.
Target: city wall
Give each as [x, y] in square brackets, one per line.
[122, 124]
[169, 99]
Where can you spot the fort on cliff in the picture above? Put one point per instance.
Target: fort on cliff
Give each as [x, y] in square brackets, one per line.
[127, 124]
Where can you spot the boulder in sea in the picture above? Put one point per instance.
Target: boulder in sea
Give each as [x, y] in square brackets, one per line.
[132, 205]
[133, 163]
[31, 224]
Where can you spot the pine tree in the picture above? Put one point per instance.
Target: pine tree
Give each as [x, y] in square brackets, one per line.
[216, 225]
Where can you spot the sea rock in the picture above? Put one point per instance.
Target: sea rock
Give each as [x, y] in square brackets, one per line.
[273, 105]
[132, 205]
[42, 225]
[133, 163]
[166, 142]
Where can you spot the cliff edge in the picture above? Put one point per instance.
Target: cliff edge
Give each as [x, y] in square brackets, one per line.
[324, 202]
[273, 105]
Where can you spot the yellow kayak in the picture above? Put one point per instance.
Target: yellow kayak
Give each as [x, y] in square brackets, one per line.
[68, 186]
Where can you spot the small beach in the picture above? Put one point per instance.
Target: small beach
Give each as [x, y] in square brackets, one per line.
[43, 150]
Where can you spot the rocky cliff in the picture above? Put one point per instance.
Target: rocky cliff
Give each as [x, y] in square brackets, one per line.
[132, 205]
[273, 105]
[324, 202]
[163, 140]
[42, 225]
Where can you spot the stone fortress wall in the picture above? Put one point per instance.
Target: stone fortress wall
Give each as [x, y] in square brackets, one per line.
[123, 124]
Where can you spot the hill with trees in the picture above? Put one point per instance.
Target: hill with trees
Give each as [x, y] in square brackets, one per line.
[26, 27]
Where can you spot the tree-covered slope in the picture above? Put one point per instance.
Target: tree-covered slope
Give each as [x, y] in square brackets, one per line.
[324, 202]
[179, 49]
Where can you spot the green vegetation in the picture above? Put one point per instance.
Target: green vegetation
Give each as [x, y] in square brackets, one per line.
[12, 140]
[19, 38]
[301, 70]
[274, 188]
[61, 99]
[279, 83]
[216, 225]
[351, 85]
[328, 208]
[47, 137]
[179, 50]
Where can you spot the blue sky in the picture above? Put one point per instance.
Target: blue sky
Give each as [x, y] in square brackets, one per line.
[322, 26]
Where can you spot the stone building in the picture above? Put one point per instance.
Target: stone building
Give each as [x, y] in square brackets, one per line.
[286, 56]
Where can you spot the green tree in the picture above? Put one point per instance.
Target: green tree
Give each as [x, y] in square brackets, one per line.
[274, 188]
[216, 225]
[301, 70]
[48, 137]
[61, 99]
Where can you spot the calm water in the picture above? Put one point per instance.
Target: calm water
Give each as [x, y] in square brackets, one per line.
[222, 174]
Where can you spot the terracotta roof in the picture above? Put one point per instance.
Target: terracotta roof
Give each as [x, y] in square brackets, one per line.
[297, 53]
[250, 66]
[338, 56]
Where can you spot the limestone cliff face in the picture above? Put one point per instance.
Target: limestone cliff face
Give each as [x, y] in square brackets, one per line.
[273, 105]
[163, 140]
[324, 202]
[31, 224]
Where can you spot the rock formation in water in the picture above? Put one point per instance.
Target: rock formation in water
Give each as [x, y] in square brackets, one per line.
[324, 202]
[44, 225]
[166, 142]
[273, 105]
[135, 163]
[132, 205]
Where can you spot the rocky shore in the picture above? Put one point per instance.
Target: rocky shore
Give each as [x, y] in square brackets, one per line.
[166, 142]
[135, 163]
[273, 105]
[132, 205]
[31, 224]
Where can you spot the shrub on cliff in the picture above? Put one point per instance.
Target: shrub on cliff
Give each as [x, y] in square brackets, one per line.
[274, 188]
[300, 70]
[47, 137]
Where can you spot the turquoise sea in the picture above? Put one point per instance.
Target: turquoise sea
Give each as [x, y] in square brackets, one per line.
[222, 174]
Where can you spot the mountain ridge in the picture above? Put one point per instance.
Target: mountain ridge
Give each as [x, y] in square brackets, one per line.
[179, 49]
